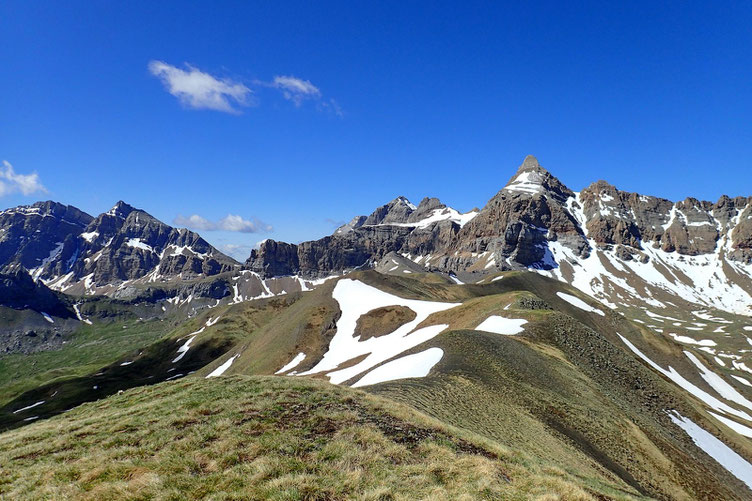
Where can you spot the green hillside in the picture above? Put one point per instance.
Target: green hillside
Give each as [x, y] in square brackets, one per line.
[264, 438]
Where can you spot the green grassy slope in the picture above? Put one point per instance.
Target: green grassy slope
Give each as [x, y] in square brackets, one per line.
[566, 394]
[88, 349]
[567, 389]
[262, 438]
[104, 358]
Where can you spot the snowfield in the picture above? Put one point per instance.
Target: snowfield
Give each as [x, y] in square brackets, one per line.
[726, 457]
[502, 325]
[579, 303]
[415, 365]
[355, 299]
[293, 363]
[682, 382]
[222, 368]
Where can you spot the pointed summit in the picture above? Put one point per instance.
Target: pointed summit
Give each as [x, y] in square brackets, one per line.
[531, 179]
[530, 163]
[121, 210]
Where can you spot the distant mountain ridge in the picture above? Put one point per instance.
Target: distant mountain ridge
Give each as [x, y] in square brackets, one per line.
[74, 252]
[622, 248]
[609, 243]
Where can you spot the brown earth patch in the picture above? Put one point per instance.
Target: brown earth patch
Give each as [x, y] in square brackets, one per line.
[382, 321]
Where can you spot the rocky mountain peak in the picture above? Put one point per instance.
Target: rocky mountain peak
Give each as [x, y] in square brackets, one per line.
[403, 200]
[425, 208]
[530, 163]
[532, 179]
[355, 222]
[396, 211]
[121, 210]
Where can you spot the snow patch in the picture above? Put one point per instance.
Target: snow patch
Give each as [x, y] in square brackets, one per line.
[680, 381]
[415, 365]
[355, 299]
[723, 454]
[579, 303]
[90, 236]
[292, 363]
[502, 325]
[78, 314]
[739, 428]
[138, 244]
[186, 346]
[222, 368]
[28, 407]
[689, 340]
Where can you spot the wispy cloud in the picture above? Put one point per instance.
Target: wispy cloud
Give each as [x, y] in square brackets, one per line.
[241, 252]
[296, 89]
[230, 222]
[197, 89]
[200, 90]
[12, 182]
[332, 106]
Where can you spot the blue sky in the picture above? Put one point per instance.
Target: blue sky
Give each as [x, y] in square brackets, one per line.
[298, 115]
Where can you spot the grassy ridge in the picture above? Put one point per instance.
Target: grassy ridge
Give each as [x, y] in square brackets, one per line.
[261, 438]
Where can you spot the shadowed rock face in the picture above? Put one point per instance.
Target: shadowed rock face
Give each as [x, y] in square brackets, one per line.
[19, 291]
[53, 241]
[29, 235]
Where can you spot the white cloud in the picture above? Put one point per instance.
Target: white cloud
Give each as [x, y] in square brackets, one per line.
[11, 182]
[295, 89]
[200, 90]
[230, 222]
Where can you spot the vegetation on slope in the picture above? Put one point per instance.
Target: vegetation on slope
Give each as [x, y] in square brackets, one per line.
[260, 438]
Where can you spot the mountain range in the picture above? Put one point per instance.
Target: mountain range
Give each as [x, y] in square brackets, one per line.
[581, 345]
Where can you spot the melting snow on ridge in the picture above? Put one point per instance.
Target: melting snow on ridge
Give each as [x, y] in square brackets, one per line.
[137, 243]
[184, 348]
[502, 325]
[292, 363]
[442, 214]
[579, 303]
[28, 407]
[527, 182]
[415, 365]
[718, 384]
[726, 457]
[78, 314]
[689, 340]
[37, 272]
[739, 428]
[356, 299]
[679, 380]
[222, 368]
[701, 279]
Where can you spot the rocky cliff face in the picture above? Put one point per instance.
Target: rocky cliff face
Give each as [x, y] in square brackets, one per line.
[34, 235]
[66, 248]
[608, 242]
